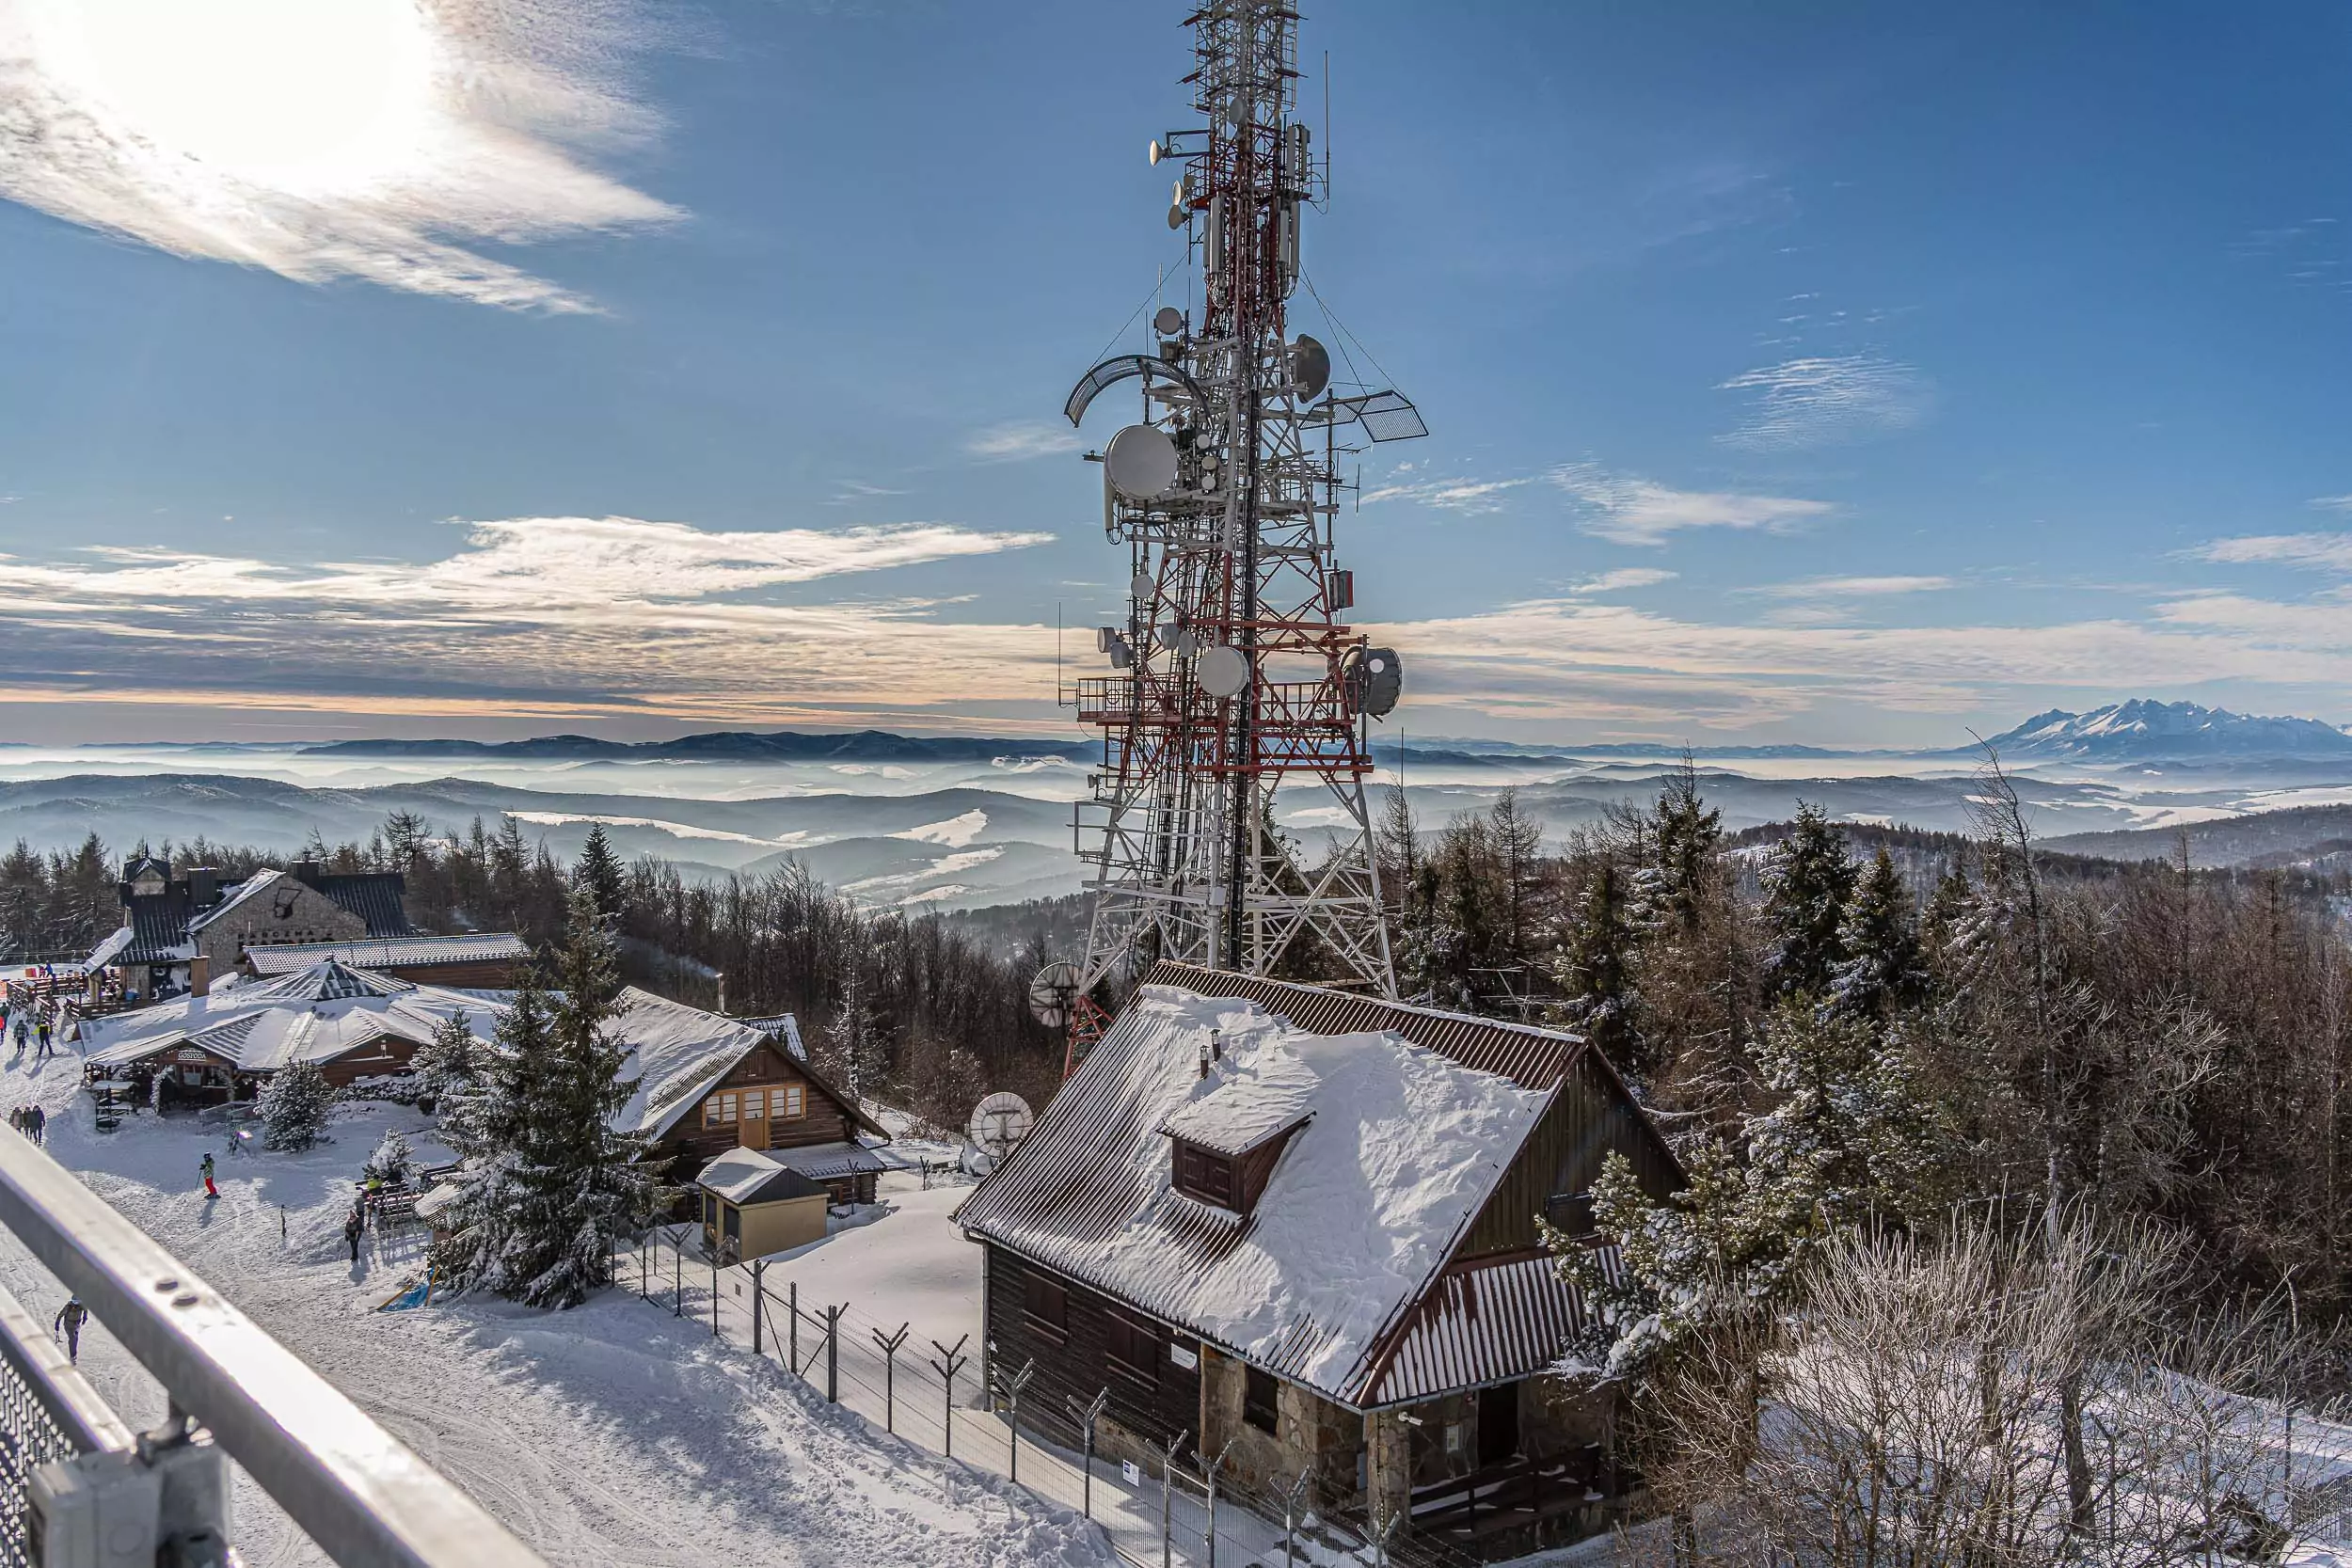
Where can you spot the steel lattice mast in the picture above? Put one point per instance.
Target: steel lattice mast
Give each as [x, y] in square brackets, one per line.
[1234, 675]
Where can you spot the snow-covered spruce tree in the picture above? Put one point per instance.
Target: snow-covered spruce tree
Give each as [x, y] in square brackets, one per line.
[599, 872]
[1596, 969]
[394, 1160]
[1685, 844]
[293, 1107]
[477, 1245]
[1885, 970]
[448, 1064]
[1810, 880]
[576, 1186]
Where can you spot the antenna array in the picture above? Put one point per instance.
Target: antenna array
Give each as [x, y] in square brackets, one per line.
[1234, 675]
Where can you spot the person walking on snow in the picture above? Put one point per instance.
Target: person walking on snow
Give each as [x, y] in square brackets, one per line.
[42, 1054]
[211, 1192]
[41, 1123]
[351, 1234]
[71, 1317]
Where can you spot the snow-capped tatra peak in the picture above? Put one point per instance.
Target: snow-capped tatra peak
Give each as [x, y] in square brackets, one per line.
[2142, 729]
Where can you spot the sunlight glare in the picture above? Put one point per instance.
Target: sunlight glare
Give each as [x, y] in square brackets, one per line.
[309, 97]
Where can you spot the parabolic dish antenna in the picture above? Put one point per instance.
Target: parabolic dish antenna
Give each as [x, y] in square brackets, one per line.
[1169, 321]
[1141, 462]
[1311, 367]
[1222, 671]
[1143, 587]
[1052, 992]
[999, 1123]
[1177, 214]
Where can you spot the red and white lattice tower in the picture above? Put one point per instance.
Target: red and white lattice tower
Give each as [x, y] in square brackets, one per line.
[1235, 675]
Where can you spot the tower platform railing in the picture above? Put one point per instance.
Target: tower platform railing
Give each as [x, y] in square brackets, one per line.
[80, 1489]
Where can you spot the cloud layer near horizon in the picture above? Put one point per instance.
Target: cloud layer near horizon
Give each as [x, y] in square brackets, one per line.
[380, 140]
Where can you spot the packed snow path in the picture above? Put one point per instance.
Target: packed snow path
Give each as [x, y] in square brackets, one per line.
[609, 1437]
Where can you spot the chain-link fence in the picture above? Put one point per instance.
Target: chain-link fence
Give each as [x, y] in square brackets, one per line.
[1183, 1508]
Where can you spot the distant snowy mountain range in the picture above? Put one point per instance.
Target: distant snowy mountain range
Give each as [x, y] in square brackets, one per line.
[2144, 731]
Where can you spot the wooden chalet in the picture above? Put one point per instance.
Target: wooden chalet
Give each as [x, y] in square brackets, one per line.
[1304, 1223]
[708, 1084]
[469, 961]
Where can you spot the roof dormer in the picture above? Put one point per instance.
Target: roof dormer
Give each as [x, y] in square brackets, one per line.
[1223, 1146]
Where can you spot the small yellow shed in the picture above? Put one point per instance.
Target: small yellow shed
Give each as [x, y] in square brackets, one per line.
[753, 1205]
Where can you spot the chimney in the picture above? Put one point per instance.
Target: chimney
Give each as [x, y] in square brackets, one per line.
[306, 871]
[1204, 1061]
[200, 975]
[1216, 1045]
[203, 886]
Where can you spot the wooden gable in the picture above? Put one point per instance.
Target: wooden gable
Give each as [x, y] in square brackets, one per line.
[717, 1120]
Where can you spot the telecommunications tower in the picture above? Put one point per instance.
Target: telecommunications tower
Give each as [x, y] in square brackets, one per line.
[1234, 674]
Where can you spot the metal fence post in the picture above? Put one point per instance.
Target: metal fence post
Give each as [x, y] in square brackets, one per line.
[714, 1297]
[890, 1343]
[833, 1355]
[951, 1362]
[759, 1302]
[1013, 1386]
[1208, 1536]
[1290, 1516]
[678, 1280]
[793, 1346]
[1087, 1414]
[1167, 1501]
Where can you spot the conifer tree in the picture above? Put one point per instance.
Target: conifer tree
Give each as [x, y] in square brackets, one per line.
[852, 1049]
[1805, 905]
[293, 1107]
[448, 1065]
[539, 1218]
[1685, 841]
[1595, 971]
[600, 873]
[477, 1236]
[1884, 972]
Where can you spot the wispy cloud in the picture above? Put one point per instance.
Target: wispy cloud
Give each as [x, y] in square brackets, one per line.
[1622, 578]
[2331, 503]
[369, 139]
[1849, 588]
[1471, 497]
[1825, 401]
[1628, 510]
[1020, 439]
[600, 614]
[2330, 552]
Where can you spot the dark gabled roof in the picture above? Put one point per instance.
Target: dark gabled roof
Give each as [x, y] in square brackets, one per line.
[159, 927]
[373, 895]
[1371, 1300]
[327, 980]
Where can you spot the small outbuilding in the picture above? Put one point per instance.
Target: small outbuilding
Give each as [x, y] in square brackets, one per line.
[752, 1204]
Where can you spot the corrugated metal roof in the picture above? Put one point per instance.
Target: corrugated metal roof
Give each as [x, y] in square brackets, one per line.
[1484, 1323]
[159, 925]
[1085, 1187]
[825, 1162]
[387, 952]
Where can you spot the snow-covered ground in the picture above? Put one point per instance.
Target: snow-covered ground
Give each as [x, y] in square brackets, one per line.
[612, 1435]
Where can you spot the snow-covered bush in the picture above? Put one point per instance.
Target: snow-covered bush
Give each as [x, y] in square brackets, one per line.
[394, 1160]
[293, 1107]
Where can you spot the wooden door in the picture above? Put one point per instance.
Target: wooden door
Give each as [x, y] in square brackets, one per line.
[751, 1128]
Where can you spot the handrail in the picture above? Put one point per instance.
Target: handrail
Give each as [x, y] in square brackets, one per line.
[50, 1376]
[355, 1489]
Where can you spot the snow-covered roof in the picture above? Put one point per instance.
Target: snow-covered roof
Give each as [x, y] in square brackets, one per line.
[747, 1175]
[1239, 1115]
[829, 1162]
[677, 1053]
[232, 898]
[110, 949]
[1366, 1204]
[784, 1027]
[317, 1014]
[388, 952]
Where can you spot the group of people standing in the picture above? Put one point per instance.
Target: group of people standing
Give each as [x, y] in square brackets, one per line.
[31, 1120]
[28, 1021]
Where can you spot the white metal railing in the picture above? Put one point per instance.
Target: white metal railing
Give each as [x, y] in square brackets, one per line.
[79, 1489]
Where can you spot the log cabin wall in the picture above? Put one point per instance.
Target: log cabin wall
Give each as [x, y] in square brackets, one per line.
[822, 1119]
[1589, 1117]
[1074, 1362]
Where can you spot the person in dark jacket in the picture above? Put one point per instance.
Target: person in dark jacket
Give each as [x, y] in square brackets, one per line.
[350, 1233]
[71, 1317]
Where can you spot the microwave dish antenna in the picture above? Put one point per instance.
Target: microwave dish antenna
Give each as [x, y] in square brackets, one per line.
[999, 1123]
[1141, 462]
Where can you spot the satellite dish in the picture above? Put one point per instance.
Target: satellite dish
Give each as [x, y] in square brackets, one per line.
[1376, 679]
[1141, 462]
[1222, 671]
[1176, 216]
[1158, 151]
[1311, 367]
[1143, 587]
[1169, 321]
[999, 1123]
[1053, 993]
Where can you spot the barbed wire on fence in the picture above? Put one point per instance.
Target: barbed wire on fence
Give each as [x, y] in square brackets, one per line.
[1199, 1515]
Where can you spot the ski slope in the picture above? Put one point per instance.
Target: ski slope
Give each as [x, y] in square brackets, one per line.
[609, 1437]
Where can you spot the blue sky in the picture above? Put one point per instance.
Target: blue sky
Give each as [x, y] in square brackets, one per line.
[1840, 373]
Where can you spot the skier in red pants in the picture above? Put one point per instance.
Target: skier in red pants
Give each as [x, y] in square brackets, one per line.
[210, 1191]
